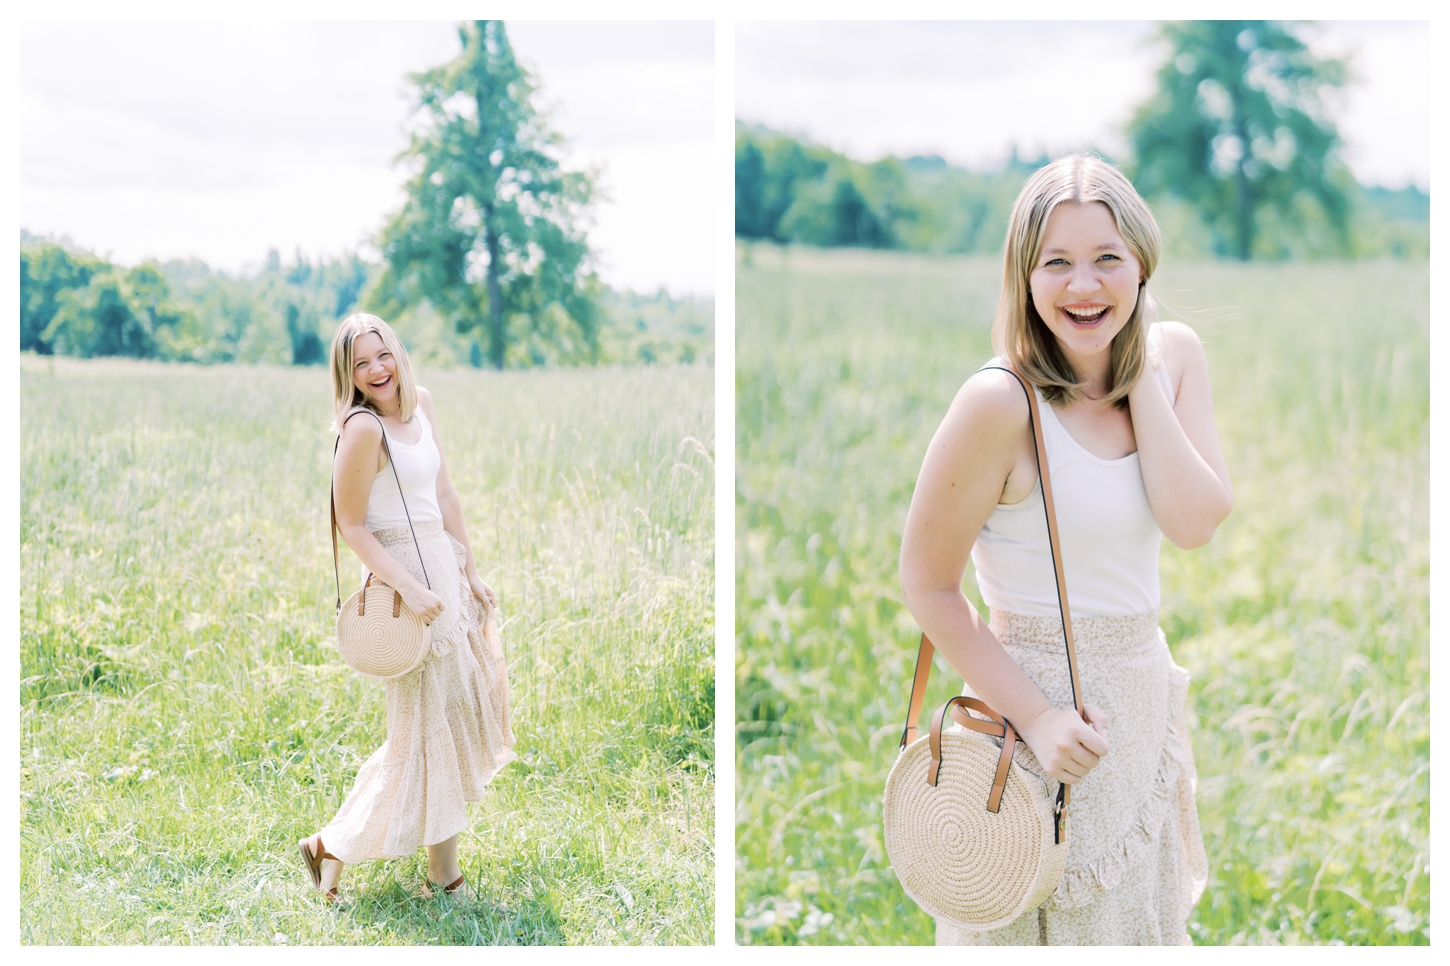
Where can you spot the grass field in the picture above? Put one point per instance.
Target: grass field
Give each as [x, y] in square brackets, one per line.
[185, 717]
[1304, 623]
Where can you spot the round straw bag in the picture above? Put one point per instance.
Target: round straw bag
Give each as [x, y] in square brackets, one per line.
[974, 838]
[377, 635]
[971, 835]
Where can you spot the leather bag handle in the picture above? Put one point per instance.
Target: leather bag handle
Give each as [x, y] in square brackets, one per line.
[997, 727]
[332, 496]
[927, 649]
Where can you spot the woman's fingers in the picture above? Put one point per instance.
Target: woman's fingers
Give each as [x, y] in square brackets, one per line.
[1066, 745]
[1092, 743]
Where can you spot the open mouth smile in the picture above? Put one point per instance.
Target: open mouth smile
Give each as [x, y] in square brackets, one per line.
[1085, 316]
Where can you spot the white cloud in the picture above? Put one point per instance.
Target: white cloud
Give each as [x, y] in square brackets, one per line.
[220, 140]
[660, 224]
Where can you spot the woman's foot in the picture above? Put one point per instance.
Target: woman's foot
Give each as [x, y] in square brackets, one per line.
[324, 867]
[458, 889]
[443, 868]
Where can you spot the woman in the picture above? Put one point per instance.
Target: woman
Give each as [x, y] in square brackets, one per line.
[1133, 452]
[448, 721]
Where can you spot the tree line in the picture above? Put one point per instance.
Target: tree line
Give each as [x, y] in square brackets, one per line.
[1236, 149]
[76, 303]
[487, 261]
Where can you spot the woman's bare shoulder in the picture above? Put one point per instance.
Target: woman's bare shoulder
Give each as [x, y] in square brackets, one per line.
[1179, 340]
[995, 397]
[985, 424]
[1182, 351]
[425, 401]
[361, 430]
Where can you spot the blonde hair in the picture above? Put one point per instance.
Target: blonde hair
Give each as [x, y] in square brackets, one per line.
[1018, 332]
[345, 395]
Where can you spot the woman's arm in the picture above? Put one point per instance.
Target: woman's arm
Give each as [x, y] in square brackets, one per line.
[452, 506]
[1178, 449]
[967, 465]
[359, 451]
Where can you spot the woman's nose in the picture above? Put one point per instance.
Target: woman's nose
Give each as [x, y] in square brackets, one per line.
[1083, 281]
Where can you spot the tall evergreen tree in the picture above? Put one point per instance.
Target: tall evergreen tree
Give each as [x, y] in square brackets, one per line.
[492, 231]
[1239, 125]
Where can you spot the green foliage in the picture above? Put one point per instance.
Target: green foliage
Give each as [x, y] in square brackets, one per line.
[657, 328]
[491, 232]
[1304, 624]
[286, 313]
[767, 168]
[792, 191]
[118, 313]
[185, 719]
[48, 272]
[77, 304]
[283, 314]
[1239, 129]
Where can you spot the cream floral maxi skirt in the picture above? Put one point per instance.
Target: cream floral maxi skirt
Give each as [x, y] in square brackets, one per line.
[1135, 865]
[448, 721]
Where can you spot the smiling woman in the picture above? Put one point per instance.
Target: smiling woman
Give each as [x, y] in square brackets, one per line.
[1131, 454]
[448, 718]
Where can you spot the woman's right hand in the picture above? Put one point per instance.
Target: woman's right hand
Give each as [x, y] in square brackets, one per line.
[423, 602]
[1066, 746]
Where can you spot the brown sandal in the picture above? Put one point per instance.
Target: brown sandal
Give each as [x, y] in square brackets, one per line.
[429, 885]
[313, 859]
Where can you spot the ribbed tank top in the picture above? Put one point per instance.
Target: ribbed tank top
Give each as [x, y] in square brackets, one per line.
[1110, 540]
[417, 466]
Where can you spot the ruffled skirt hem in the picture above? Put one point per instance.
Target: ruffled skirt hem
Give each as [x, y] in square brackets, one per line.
[448, 722]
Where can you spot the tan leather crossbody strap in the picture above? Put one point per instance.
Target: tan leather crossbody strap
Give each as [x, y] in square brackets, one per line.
[927, 649]
[1054, 543]
[332, 499]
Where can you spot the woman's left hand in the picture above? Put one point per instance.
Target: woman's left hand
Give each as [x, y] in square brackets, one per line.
[483, 592]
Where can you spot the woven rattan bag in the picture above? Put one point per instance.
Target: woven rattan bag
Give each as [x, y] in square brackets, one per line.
[377, 635]
[974, 838]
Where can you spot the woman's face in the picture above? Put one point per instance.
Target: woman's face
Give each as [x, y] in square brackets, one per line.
[1085, 282]
[375, 371]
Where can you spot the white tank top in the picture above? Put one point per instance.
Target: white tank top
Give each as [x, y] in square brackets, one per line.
[417, 466]
[1110, 541]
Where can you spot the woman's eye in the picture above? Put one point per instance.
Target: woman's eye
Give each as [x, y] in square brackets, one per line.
[1056, 261]
[1113, 257]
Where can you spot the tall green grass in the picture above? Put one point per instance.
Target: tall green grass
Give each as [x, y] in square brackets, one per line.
[1304, 623]
[185, 717]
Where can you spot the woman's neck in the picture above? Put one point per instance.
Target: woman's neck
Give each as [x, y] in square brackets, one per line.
[1091, 369]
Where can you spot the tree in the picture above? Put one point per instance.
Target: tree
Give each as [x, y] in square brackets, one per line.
[1239, 125]
[491, 232]
[770, 169]
[47, 272]
[119, 312]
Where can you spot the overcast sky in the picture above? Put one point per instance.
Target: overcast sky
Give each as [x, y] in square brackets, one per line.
[223, 140]
[970, 91]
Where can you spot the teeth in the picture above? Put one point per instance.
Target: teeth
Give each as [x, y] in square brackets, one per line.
[1084, 313]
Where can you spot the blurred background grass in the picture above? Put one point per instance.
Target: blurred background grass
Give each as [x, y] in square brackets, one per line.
[185, 718]
[1304, 623]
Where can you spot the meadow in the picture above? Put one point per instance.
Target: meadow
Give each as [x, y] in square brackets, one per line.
[1304, 624]
[185, 718]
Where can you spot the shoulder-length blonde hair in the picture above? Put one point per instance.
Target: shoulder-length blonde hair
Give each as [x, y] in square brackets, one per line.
[1018, 332]
[345, 395]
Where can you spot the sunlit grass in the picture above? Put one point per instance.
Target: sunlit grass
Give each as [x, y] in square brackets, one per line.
[1304, 624]
[185, 717]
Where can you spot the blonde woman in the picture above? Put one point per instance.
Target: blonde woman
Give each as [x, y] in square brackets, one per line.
[1134, 455]
[448, 721]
